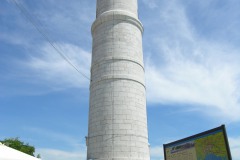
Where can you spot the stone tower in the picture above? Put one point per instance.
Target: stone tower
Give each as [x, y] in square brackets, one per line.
[117, 114]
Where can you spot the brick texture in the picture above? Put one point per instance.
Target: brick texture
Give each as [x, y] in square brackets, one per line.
[117, 113]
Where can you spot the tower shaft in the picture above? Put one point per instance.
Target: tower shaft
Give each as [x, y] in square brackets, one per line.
[117, 113]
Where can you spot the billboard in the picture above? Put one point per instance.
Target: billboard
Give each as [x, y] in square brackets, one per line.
[209, 145]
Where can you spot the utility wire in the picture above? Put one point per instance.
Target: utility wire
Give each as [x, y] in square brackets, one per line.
[44, 35]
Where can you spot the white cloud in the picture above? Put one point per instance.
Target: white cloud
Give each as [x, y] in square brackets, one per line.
[51, 69]
[66, 146]
[150, 3]
[54, 154]
[66, 21]
[192, 70]
[14, 38]
[43, 71]
[59, 137]
[156, 153]
[235, 147]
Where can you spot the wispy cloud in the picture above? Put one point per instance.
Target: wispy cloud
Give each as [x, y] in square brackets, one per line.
[235, 147]
[66, 140]
[66, 146]
[37, 65]
[14, 39]
[54, 154]
[64, 21]
[150, 3]
[192, 70]
[50, 67]
[156, 153]
[46, 71]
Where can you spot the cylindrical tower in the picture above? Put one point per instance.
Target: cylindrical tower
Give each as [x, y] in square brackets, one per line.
[117, 114]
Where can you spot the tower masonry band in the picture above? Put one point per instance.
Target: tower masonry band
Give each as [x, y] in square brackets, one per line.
[117, 126]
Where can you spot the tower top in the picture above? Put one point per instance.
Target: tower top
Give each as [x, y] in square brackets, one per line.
[108, 5]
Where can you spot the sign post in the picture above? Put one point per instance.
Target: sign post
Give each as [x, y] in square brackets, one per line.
[208, 145]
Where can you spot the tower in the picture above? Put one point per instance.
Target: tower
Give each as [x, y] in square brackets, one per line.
[117, 126]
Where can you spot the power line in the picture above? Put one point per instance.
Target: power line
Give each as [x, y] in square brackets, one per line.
[44, 35]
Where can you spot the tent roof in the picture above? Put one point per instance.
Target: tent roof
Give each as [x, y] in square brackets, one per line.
[8, 153]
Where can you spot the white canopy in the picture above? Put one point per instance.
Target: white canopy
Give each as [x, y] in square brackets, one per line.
[7, 153]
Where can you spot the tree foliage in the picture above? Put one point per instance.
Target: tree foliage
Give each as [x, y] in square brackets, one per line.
[39, 156]
[15, 143]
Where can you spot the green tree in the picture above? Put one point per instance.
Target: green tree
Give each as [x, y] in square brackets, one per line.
[39, 156]
[15, 143]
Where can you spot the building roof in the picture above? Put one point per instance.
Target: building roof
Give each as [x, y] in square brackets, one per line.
[8, 153]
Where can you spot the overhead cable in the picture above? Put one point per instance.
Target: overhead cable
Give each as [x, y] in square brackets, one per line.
[44, 35]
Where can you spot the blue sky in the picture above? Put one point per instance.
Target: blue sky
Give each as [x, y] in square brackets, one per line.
[191, 53]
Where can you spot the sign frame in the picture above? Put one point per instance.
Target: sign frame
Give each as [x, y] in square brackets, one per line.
[208, 132]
